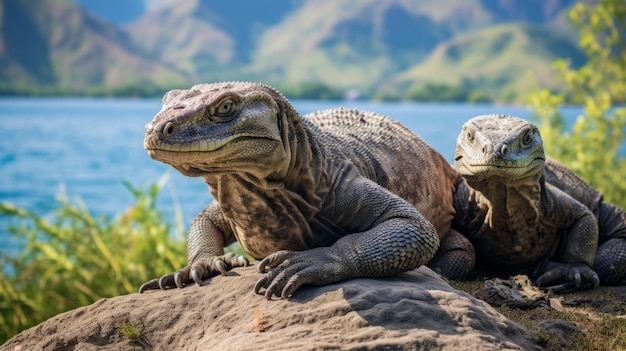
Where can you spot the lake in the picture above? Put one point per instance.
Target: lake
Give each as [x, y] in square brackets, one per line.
[86, 148]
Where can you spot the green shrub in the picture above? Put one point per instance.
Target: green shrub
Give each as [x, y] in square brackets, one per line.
[69, 258]
[594, 146]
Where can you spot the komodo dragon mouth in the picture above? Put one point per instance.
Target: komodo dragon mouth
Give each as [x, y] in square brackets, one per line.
[152, 144]
[204, 156]
[495, 166]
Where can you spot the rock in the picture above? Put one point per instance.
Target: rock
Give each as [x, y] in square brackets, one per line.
[561, 329]
[515, 292]
[414, 311]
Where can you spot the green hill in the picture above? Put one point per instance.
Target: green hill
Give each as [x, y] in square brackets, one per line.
[345, 44]
[184, 38]
[502, 61]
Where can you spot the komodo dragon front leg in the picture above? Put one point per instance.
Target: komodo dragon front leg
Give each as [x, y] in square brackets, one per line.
[610, 260]
[206, 238]
[388, 239]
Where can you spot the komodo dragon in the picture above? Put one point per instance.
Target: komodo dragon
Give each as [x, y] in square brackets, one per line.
[537, 215]
[336, 195]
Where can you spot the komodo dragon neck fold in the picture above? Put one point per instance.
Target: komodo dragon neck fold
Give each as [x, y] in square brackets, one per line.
[506, 197]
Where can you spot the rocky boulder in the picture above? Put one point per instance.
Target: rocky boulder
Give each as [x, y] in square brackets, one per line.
[412, 311]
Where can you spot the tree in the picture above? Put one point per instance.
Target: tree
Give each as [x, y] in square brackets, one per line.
[594, 145]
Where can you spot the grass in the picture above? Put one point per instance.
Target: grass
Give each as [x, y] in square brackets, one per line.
[129, 330]
[134, 335]
[598, 330]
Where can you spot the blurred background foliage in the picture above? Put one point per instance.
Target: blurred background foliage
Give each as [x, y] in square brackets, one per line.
[593, 146]
[69, 258]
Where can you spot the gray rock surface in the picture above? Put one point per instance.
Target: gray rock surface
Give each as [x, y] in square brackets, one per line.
[413, 311]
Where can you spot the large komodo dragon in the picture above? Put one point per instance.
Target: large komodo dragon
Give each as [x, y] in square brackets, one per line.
[333, 196]
[535, 213]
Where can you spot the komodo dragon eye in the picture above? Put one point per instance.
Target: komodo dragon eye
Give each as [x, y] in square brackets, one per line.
[527, 138]
[224, 111]
[225, 107]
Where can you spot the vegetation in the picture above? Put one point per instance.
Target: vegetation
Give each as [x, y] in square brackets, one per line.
[134, 334]
[593, 145]
[129, 330]
[442, 92]
[312, 90]
[596, 331]
[70, 258]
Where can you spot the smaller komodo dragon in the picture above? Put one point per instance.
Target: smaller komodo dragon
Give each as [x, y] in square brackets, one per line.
[336, 195]
[537, 215]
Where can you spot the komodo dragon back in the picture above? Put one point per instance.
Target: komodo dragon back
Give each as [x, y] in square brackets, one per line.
[390, 154]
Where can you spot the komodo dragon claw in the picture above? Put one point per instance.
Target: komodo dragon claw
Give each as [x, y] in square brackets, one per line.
[575, 274]
[286, 271]
[196, 272]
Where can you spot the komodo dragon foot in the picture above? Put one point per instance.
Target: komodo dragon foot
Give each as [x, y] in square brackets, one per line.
[576, 274]
[290, 270]
[196, 272]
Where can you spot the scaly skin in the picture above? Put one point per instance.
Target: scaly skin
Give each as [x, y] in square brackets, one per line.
[317, 200]
[610, 260]
[530, 224]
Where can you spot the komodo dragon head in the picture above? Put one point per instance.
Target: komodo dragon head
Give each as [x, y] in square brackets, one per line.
[498, 147]
[226, 128]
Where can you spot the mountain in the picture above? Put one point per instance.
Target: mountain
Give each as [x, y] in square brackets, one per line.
[346, 44]
[206, 38]
[516, 56]
[369, 45]
[54, 44]
[340, 44]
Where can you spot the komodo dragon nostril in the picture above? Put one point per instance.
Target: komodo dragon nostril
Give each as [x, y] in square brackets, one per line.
[169, 129]
[504, 149]
[487, 149]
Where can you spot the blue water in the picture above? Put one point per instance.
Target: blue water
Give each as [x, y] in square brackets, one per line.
[86, 148]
